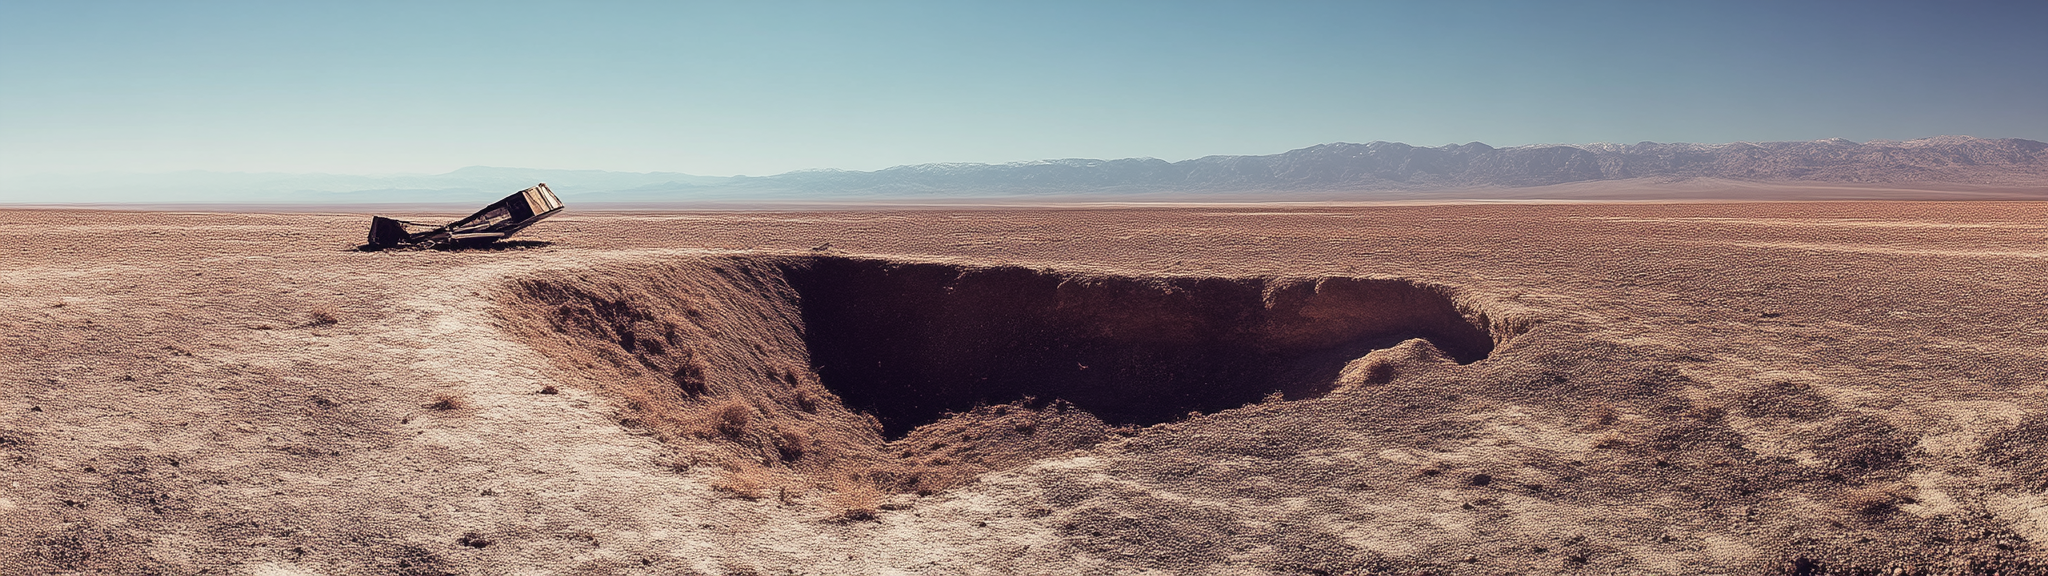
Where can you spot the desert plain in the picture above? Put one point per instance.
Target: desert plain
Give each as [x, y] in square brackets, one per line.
[1478, 388]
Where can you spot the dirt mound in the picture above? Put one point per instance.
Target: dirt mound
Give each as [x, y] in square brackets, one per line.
[813, 364]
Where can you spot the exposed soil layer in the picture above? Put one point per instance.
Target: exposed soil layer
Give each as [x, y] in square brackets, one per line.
[814, 365]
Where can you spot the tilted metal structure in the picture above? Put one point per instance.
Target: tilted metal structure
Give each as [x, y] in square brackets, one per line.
[495, 222]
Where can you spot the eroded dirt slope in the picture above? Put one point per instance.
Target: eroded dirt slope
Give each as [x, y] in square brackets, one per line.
[1701, 389]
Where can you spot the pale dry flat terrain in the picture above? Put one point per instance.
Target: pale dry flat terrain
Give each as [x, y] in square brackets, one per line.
[1727, 388]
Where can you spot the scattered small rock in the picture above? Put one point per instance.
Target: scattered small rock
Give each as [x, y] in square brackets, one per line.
[474, 540]
[549, 390]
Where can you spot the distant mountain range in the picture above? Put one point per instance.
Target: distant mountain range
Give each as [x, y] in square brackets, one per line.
[1321, 169]
[1396, 166]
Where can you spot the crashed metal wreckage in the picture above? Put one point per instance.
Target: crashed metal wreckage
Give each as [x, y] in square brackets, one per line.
[495, 222]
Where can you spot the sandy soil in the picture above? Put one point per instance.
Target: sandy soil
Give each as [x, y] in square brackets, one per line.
[1727, 388]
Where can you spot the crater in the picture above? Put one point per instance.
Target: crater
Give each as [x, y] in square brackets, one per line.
[912, 342]
[920, 375]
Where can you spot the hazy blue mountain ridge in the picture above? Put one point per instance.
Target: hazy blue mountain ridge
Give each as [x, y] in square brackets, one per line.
[1336, 167]
[1392, 165]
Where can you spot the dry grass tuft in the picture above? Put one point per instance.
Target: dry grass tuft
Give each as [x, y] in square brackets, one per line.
[447, 401]
[689, 377]
[792, 444]
[854, 498]
[324, 315]
[744, 480]
[681, 463]
[732, 417]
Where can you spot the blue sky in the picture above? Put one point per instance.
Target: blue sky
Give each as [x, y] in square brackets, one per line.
[761, 87]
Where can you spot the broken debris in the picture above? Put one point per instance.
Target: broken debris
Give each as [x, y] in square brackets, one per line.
[495, 222]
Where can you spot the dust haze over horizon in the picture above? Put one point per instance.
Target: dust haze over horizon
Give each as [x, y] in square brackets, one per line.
[388, 88]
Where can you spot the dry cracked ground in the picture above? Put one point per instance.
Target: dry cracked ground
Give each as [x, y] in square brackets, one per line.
[1717, 388]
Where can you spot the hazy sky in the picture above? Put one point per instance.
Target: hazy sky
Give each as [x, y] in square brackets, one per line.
[759, 88]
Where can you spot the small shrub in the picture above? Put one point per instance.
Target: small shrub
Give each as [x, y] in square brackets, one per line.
[323, 316]
[446, 401]
[689, 377]
[792, 444]
[732, 418]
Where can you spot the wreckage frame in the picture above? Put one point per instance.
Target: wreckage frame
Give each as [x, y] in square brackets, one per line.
[495, 222]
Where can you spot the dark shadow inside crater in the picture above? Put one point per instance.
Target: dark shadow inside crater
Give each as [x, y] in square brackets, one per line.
[912, 342]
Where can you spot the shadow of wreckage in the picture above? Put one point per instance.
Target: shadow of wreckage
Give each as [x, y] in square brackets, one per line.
[495, 222]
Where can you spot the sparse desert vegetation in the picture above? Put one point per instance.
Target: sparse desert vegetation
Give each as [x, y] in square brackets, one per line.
[1768, 388]
[745, 480]
[324, 315]
[854, 498]
[446, 401]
